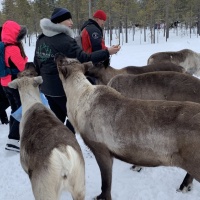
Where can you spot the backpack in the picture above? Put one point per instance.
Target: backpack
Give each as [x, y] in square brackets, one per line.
[4, 70]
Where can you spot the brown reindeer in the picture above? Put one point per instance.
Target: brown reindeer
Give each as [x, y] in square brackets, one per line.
[144, 132]
[171, 86]
[159, 85]
[103, 72]
[49, 152]
[186, 58]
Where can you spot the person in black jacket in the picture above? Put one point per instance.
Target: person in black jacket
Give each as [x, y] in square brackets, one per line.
[57, 37]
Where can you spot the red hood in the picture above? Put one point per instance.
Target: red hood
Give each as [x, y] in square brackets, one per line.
[10, 32]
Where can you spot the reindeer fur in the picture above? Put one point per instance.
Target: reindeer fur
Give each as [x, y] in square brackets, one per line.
[172, 86]
[103, 73]
[186, 58]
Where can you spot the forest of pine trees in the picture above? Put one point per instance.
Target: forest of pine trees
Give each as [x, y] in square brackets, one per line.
[121, 13]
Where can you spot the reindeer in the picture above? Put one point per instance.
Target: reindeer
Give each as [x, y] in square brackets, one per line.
[144, 132]
[156, 85]
[49, 152]
[159, 85]
[171, 86]
[103, 72]
[186, 58]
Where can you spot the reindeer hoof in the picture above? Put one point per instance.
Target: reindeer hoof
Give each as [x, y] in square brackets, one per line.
[185, 189]
[136, 168]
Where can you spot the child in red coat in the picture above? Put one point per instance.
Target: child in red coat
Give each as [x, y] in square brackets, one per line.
[12, 35]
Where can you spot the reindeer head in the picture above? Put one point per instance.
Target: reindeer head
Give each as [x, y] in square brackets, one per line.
[29, 71]
[104, 63]
[26, 82]
[98, 69]
[67, 66]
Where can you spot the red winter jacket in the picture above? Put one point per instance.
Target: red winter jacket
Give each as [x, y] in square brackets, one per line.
[92, 37]
[12, 33]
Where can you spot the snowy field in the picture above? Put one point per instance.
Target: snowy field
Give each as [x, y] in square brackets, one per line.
[158, 183]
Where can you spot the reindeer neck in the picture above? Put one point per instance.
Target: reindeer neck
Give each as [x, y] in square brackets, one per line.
[109, 74]
[120, 71]
[74, 85]
[29, 98]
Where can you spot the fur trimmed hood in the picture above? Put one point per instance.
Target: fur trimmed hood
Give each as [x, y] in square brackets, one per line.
[50, 29]
[22, 33]
[12, 32]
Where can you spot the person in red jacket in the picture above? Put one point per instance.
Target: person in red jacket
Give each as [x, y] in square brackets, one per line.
[12, 35]
[92, 32]
[92, 36]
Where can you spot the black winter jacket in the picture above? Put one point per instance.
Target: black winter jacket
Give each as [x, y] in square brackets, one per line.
[58, 38]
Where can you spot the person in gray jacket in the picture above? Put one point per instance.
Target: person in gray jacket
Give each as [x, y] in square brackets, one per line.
[57, 37]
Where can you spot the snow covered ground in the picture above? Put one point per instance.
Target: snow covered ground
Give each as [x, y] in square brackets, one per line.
[158, 183]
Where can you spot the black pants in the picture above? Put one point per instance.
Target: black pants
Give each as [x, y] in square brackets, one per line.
[15, 103]
[3, 117]
[58, 106]
[4, 104]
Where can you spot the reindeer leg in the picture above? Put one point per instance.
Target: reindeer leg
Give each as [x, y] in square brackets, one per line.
[186, 184]
[105, 162]
[44, 185]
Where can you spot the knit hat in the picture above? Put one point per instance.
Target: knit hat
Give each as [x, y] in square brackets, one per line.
[100, 14]
[60, 15]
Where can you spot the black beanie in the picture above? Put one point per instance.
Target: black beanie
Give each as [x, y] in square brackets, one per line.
[60, 15]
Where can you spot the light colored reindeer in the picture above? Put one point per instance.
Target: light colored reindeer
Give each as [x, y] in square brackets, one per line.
[186, 58]
[143, 132]
[49, 152]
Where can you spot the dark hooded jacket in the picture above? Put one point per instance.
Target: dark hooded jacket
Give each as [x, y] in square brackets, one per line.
[11, 34]
[58, 38]
[92, 36]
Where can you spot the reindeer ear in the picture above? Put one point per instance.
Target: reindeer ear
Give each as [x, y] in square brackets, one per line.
[106, 63]
[63, 71]
[30, 65]
[37, 81]
[13, 84]
[87, 65]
